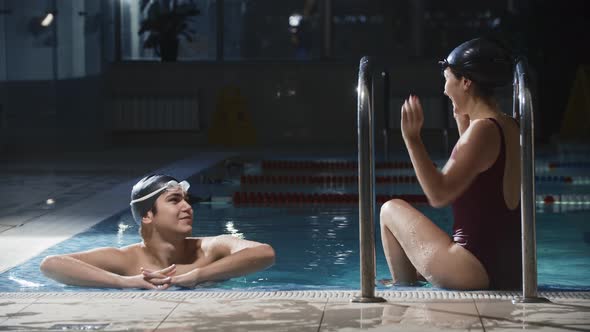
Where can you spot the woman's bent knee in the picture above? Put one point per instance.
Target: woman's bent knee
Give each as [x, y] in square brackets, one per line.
[390, 206]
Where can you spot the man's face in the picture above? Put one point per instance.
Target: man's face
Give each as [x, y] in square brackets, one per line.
[173, 211]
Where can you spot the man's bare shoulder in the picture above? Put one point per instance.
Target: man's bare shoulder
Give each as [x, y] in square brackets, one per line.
[116, 260]
[207, 239]
[132, 249]
[129, 250]
[212, 245]
[123, 255]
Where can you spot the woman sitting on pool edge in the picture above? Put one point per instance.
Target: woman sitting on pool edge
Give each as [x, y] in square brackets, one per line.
[168, 255]
[481, 180]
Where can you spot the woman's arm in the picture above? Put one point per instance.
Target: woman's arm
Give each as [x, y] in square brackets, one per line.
[476, 151]
[95, 268]
[235, 257]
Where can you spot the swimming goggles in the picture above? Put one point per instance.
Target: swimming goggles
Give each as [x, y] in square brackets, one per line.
[170, 185]
[444, 63]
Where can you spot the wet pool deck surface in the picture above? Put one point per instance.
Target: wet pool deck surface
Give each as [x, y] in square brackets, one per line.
[290, 311]
[92, 186]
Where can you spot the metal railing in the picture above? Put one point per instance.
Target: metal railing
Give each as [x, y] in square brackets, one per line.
[523, 110]
[366, 162]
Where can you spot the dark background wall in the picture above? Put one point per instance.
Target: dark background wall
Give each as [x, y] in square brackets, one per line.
[558, 40]
[56, 94]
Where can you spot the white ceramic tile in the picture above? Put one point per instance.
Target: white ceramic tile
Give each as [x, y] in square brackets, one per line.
[245, 315]
[574, 302]
[401, 316]
[21, 218]
[11, 308]
[119, 314]
[505, 316]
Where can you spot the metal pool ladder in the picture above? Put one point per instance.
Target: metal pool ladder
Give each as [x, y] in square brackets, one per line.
[523, 110]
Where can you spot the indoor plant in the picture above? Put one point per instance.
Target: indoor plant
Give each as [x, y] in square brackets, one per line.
[165, 21]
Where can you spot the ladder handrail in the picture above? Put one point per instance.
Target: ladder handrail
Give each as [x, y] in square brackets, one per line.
[523, 111]
[366, 162]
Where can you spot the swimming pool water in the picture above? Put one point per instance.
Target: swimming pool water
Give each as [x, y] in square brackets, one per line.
[317, 246]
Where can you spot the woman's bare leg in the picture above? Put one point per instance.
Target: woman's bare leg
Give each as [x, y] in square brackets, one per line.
[401, 269]
[409, 236]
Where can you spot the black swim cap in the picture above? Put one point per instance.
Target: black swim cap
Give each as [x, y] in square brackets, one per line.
[483, 61]
[146, 186]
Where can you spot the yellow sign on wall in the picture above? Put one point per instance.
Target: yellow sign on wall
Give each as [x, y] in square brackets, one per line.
[231, 124]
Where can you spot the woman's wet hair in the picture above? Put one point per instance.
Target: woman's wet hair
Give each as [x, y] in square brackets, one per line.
[485, 61]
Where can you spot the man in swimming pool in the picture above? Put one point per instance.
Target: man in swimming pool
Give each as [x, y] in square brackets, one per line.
[168, 255]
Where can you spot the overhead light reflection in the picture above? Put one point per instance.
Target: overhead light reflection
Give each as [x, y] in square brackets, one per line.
[122, 227]
[47, 20]
[229, 226]
[295, 20]
[24, 283]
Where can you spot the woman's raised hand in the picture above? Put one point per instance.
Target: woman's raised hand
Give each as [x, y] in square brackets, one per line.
[412, 118]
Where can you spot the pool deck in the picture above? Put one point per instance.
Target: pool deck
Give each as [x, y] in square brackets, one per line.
[47, 199]
[290, 311]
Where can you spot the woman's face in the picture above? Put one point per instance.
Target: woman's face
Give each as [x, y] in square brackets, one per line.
[453, 89]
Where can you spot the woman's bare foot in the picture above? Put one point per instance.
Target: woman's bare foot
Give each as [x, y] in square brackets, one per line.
[386, 282]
